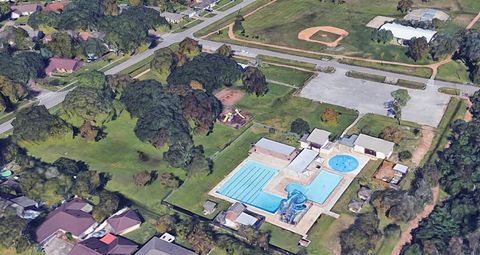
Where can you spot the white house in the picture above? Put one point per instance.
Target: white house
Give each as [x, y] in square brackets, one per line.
[190, 13]
[316, 140]
[171, 17]
[402, 33]
[373, 146]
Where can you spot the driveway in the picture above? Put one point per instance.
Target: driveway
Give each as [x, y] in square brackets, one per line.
[426, 107]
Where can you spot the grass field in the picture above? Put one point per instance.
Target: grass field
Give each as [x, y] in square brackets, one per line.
[282, 238]
[449, 91]
[284, 74]
[415, 71]
[454, 72]
[10, 251]
[117, 155]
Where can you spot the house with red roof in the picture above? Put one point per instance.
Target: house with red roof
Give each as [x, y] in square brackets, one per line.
[123, 222]
[73, 217]
[55, 7]
[62, 65]
[107, 245]
[19, 10]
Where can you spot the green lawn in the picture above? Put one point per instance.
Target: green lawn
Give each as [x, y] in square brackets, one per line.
[116, 154]
[224, 5]
[289, 62]
[287, 75]
[218, 139]
[11, 251]
[416, 71]
[454, 72]
[278, 109]
[282, 238]
[324, 235]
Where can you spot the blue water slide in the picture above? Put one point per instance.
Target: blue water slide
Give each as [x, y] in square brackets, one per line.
[292, 206]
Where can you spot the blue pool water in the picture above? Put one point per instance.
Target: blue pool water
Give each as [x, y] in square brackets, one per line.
[319, 190]
[246, 186]
[343, 163]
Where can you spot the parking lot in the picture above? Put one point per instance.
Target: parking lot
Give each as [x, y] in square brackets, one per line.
[426, 107]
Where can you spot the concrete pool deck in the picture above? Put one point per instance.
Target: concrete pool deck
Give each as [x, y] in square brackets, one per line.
[285, 176]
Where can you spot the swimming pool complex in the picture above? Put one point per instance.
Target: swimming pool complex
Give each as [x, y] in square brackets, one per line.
[247, 184]
[343, 163]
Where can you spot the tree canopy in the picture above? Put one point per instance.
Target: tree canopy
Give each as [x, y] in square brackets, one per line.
[418, 48]
[202, 108]
[88, 104]
[211, 70]
[36, 124]
[254, 81]
[300, 126]
[92, 79]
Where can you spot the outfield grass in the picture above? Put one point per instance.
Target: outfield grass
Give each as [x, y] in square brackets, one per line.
[454, 72]
[117, 155]
[278, 109]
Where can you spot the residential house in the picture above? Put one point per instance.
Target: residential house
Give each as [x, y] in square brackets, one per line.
[190, 13]
[209, 207]
[73, 217]
[405, 33]
[316, 140]
[107, 245]
[364, 193]
[20, 10]
[275, 149]
[205, 5]
[62, 65]
[373, 146]
[84, 35]
[123, 222]
[172, 18]
[54, 7]
[26, 208]
[161, 247]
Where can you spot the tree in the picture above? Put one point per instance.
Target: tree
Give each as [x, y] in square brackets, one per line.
[36, 124]
[404, 5]
[189, 48]
[3, 104]
[94, 48]
[254, 81]
[300, 126]
[88, 183]
[4, 10]
[110, 7]
[62, 45]
[401, 96]
[329, 116]
[118, 82]
[43, 19]
[88, 104]
[91, 79]
[201, 238]
[135, 2]
[443, 46]
[382, 35]
[69, 167]
[417, 48]
[392, 134]
[107, 205]
[165, 223]
[22, 66]
[362, 235]
[162, 63]
[202, 108]
[237, 24]
[169, 180]
[144, 178]
[11, 90]
[141, 96]
[224, 50]
[18, 36]
[404, 155]
[211, 70]
[12, 235]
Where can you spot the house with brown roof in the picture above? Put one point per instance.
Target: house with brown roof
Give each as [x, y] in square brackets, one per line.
[20, 10]
[73, 217]
[55, 7]
[62, 65]
[123, 222]
[107, 245]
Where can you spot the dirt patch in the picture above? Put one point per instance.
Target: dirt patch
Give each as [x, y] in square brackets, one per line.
[229, 97]
[406, 236]
[307, 34]
[424, 145]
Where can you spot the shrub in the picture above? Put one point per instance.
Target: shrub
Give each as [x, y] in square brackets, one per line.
[300, 126]
[329, 116]
[405, 155]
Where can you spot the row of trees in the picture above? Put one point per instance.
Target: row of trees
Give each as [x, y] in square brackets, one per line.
[453, 226]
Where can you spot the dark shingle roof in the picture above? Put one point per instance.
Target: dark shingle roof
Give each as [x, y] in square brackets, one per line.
[123, 221]
[116, 245]
[157, 246]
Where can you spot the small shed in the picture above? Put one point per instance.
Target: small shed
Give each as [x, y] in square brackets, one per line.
[364, 193]
[275, 149]
[355, 206]
[316, 140]
[400, 169]
[373, 146]
[209, 207]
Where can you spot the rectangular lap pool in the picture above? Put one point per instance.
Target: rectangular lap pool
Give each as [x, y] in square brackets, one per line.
[247, 183]
[321, 187]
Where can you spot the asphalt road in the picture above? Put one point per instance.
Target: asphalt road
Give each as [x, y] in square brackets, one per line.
[51, 99]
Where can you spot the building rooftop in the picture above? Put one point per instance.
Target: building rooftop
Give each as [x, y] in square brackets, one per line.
[375, 144]
[107, 245]
[24, 7]
[157, 246]
[246, 219]
[401, 168]
[24, 201]
[303, 160]
[318, 136]
[56, 63]
[124, 221]
[407, 33]
[426, 15]
[172, 16]
[275, 146]
[348, 140]
[209, 206]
